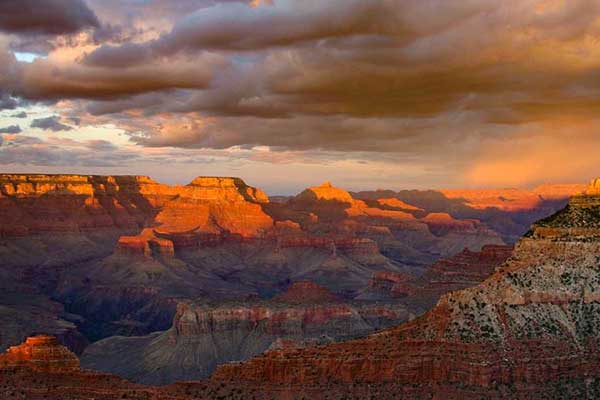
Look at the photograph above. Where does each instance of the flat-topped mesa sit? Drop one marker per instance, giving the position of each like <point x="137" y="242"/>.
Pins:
<point x="212" y="205"/>
<point x="146" y="245"/>
<point x="88" y="185"/>
<point x="325" y="192"/>
<point x="225" y="189"/>
<point x="41" y="353"/>
<point x="442" y="223"/>
<point x="31" y="204"/>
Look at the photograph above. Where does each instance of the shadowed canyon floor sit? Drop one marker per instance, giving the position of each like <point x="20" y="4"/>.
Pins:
<point x="183" y="279"/>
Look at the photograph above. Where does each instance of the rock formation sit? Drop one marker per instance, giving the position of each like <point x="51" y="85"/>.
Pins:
<point x="528" y="331"/>
<point x="40" y="368"/>
<point x="90" y="257"/>
<point x="508" y="212"/>
<point x="42" y="353"/>
<point x="205" y="335"/>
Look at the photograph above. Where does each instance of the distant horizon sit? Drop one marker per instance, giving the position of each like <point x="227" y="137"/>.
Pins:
<point x="300" y="189"/>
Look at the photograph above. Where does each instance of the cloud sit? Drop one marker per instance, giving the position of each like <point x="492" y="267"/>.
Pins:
<point x="431" y="82"/>
<point x="11" y="129"/>
<point x="50" y="124"/>
<point x="31" y="151"/>
<point x="46" y="17"/>
<point x="21" y="114"/>
<point x="7" y="102"/>
<point x="43" y="80"/>
<point x="101" y="145"/>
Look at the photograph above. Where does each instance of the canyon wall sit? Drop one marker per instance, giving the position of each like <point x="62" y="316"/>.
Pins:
<point x="529" y="331"/>
<point x="204" y="336"/>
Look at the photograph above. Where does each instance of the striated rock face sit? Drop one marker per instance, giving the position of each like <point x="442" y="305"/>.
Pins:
<point x="43" y="353"/>
<point x="204" y="336"/>
<point x="529" y="331"/>
<point x="58" y="203"/>
<point x="465" y="269"/>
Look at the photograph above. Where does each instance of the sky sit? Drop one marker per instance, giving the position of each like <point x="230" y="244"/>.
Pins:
<point x="289" y="93"/>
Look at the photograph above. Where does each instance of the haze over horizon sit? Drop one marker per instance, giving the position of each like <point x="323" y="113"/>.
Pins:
<point x="287" y="94"/>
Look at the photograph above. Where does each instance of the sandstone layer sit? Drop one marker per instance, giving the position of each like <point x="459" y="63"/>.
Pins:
<point x="90" y="257"/>
<point x="204" y="336"/>
<point x="529" y="331"/>
<point x="42" y="353"/>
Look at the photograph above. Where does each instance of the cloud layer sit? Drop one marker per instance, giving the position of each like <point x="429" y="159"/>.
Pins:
<point x="46" y="17"/>
<point x="434" y="83"/>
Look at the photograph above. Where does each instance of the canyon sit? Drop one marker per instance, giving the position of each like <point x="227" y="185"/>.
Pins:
<point x="530" y="330"/>
<point x="187" y="279"/>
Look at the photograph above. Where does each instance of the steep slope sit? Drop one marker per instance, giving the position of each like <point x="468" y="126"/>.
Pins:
<point x="529" y="331"/>
<point x="116" y="255"/>
<point x="206" y="335"/>
<point x="104" y="246"/>
<point x="463" y="270"/>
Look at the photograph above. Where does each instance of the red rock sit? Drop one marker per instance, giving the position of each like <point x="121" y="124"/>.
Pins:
<point x="466" y="269"/>
<point x="134" y="245"/>
<point x="530" y="330"/>
<point x="397" y="203"/>
<point x="306" y="292"/>
<point x="72" y="203"/>
<point x="43" y="353"/>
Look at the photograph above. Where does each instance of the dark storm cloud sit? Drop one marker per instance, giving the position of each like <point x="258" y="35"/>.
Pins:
<point x="7" y="102"/>
<point x="11" y="129"/>
<point x="373" y="59"/>
<point x="41" y="80"/>
<point x="46" y="17"/>
<point x="50" y="124"/>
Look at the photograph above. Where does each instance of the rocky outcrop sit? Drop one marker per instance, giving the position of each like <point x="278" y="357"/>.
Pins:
<point x="204" y="336"/>
<point x="41" y="368"/>
<point x="59" y="203"/>
<point x="465" y="269"/>
<point x="42" y="353"/>
<point x="528" y="331"/>
<point x="325" y="192"/>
